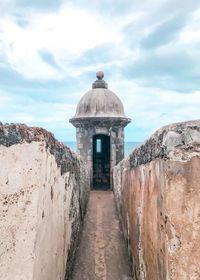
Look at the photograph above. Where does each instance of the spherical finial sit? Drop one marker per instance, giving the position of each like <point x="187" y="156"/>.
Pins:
<point x="100" y="75"/>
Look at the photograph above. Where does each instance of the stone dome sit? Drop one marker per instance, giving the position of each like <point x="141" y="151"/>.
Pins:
<point x="100" y="102"/>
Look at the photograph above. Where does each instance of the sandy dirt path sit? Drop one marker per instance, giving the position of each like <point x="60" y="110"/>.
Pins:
<point x="102" y="254"/>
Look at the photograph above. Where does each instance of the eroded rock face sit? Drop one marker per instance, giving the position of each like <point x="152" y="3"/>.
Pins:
<point x="44" y="190"/>
<point x="157" y="192"/>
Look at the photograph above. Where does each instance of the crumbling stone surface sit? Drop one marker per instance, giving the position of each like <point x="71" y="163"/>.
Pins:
<point x="178" y="140"/>
<point x="44" y="190"/>
<point x="11" y="134"/>
<point x="157" y="193"/>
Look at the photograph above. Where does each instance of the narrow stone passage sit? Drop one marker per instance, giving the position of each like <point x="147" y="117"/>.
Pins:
<point x="102" y="254"/>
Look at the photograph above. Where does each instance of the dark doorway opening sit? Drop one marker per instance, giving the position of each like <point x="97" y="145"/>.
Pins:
<point x="101" y="162"/>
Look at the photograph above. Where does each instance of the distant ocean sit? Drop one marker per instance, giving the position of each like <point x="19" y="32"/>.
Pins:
<point x="129" y="146"/>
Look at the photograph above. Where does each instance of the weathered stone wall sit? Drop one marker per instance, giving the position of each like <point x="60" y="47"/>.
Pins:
<point x="44" y="190"/>
<point x="157" y="193"/>
<point x="86" y="128"/>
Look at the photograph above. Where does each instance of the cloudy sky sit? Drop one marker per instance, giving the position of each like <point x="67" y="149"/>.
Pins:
<point x="50" y="51"/>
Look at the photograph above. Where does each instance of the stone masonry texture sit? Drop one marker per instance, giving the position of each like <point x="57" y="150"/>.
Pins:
<point x="157" y="193"/>
<point x="102" y="253"/>
<point x="44" y="190"/>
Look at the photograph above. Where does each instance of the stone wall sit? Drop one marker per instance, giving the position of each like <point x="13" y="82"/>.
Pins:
<point x="87" y="128"/>
<point x="157" y="193"/>
<point x="44" y="189"/>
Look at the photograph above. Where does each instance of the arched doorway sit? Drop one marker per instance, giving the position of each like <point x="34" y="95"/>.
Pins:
<point x="101" y="162"/>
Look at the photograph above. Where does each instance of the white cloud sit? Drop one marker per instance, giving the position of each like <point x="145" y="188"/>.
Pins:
<point x="68" y="34"/>
<point x="151" y="108"/>
<point x="191" y="33"/>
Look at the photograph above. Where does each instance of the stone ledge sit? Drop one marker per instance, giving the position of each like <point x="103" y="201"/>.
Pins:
<point x="12" y="134"/>
<point x="177" y="141"/>
<point x="45" y="205"/>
